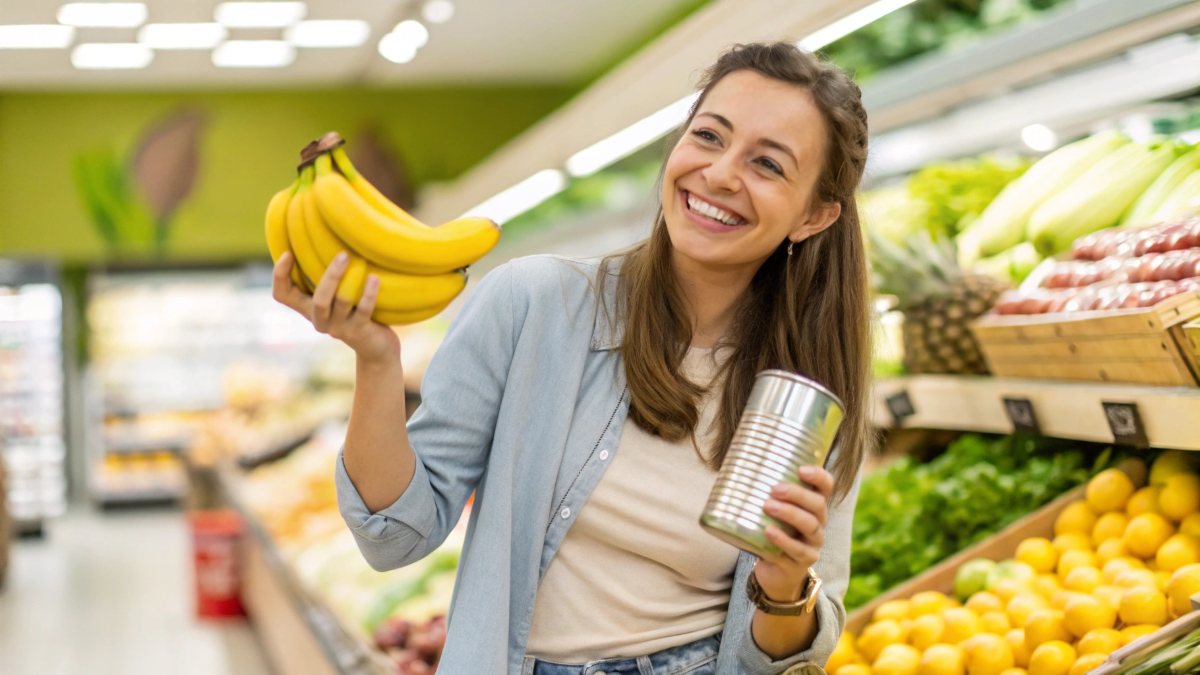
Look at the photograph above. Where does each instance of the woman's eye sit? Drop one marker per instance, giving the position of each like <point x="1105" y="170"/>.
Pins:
<point x="771" y="165"/>
<point x="706" y="135"/>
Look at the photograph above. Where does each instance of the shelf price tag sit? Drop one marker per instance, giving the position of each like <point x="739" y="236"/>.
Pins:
<point x="901" y="407"/>
<point x="1126" y="424"/>
<point x="1021" y="415"/>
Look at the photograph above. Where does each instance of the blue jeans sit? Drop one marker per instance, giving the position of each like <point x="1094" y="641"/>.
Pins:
<point x="694" y="658"/>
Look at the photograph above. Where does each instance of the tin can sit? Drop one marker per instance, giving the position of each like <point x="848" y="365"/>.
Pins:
<point x="789" y="421"/>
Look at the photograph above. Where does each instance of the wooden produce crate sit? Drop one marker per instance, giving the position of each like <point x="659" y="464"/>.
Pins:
<point x="998" y="547"/>
<point x="1191" y="330"/>
<point x="1137" y="346"/>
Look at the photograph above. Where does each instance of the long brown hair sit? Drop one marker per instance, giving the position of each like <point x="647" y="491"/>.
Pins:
<point x="807" y="313"/>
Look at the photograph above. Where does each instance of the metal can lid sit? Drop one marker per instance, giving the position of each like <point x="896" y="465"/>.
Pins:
<point x="797" y="377"/>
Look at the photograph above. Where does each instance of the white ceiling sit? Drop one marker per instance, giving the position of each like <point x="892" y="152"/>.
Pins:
<point x="487" y="41"/>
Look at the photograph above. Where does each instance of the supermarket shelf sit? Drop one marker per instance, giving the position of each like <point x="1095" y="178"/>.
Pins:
<point x="147" y="497"/>
<point x="1074" y="410"/>
<point x="294" y="618"/>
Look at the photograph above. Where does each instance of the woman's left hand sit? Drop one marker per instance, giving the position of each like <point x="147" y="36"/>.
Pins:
<point x="783" y="576"/>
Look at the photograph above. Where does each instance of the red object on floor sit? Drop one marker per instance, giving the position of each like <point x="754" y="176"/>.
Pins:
<point x="216" y="538"/>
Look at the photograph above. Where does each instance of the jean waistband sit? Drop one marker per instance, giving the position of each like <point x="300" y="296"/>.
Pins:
<point x="665" y="662"/>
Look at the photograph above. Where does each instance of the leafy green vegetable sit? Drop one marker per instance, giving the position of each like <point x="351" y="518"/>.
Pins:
<point x="912" y="515"/>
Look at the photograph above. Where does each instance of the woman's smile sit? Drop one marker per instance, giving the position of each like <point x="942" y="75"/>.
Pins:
<point x="709" y="216"/>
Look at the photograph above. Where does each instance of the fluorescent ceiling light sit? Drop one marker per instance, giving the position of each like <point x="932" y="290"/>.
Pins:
<point x="347" y="33"/>
<point x="103" y="14"/>
<point x="111" y="56"/>
<point x="630" y="139"/>
<point x="1039" y="137"/>
<point x="850" y="23"/>
<point x="254" y="54"/>
<point x="401" y="45"/>
<point x="182" y="35"/>
<point x="260" y="14"/>
<point x="521" y="197"/>
<point x="438" y="11"/>
<point x="36" y="36"/>
<point x="395" y="50"/>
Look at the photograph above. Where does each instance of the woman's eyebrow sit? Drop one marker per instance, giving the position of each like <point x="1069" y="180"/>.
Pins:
<point x="770" y="143"/>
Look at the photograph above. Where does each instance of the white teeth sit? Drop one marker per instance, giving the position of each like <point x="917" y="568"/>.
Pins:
<point x="704" y="208"/>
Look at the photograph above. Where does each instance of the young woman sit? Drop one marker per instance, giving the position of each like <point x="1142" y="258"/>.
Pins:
<point x="588" y="405"/>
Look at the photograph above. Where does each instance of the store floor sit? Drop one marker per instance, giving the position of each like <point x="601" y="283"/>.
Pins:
<point x="110" y="593"/>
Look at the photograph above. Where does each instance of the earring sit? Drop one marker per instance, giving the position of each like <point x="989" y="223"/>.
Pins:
<point x="791" y="244"/>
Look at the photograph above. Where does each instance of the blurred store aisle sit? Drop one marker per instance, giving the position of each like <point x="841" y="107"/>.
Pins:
<point x="111" y="594"/>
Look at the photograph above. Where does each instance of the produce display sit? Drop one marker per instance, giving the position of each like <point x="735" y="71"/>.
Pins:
<point x="331" y="208"/>
<point x="938" y="300"/>
<point x="911" y="515"/>
<point x="1116" y="269"/>
<point x="1123" y="561"/>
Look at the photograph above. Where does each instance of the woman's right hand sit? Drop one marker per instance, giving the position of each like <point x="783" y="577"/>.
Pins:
<point x="352" y="324"/>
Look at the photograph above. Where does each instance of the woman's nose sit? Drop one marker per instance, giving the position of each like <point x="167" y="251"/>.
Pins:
<point x="722" y="174"/>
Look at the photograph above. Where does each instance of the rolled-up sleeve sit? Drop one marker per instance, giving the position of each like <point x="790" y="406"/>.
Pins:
<point x="450" y="433"/>
<point x="834" y="570"/>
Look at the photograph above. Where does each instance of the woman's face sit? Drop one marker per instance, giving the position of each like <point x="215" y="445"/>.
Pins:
<point x="741" y="180"/>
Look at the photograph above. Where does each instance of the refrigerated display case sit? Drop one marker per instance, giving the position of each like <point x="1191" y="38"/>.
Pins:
<point x="32" y="376"/>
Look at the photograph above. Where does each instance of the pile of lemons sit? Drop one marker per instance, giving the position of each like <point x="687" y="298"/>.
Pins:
<point x="1123" y="562"/>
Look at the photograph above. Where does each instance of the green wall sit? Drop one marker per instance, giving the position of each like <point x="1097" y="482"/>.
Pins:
<point x="249" y="150"/>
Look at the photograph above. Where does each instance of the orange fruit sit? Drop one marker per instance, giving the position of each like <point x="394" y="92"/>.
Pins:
<point x="1143" y="605"/>
<point x="1078" y="518"/>
<point x="1052" y="658"/>
<point x="1146" y="532"/>
<point x="1109" y="490"/>
<point x="1100" y="641"/>
<point x="1085" y="614"/>
<point x="1038" y="553"/>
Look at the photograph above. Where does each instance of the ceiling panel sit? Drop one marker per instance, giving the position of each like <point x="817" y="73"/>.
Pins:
<point x="487" y="41"/>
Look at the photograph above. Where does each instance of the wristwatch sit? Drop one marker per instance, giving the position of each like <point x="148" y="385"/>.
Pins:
<point x="805" y="605"/>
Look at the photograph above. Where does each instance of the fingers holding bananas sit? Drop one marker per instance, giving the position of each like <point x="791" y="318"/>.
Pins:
<point x="359" y="254"/>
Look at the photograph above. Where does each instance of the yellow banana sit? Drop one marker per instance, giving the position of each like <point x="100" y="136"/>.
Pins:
<point x="326" y="246"/>
<point x="310" y="264"/>
<point x="391" y="317"/>
<point x="397" y="291"/>
<point x="276" y="226"/>
<point x="368" y="192"/>
<point x="401" y="246"/>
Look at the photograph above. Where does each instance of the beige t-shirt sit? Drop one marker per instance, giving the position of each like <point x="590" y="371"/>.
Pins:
<point x="636" y="574"/>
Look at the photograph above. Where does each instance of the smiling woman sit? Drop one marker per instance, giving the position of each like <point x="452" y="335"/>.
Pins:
<point x="591" y="451"/>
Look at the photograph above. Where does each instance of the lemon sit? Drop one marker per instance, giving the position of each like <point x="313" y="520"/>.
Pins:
<point x="1070" y="540"/>
<point x="1045" y="585"/>
<point x="1052" y="658"/>
<point x="1110" y="595"/>
<point x="1016" y="641"/>
<point x="1015" y="671"/>
<point x="1144" y="500"/>
<point x="1085" y="663"/>
<point x="1184" y="583"/>
<point x="926" y="631"/>
<point x="995" y="622"/>
<point x="1146" y="532"/>
<point x="1132" y="633"/>
<point x="1100" y="641"/>
<point x="1180" y="496"/>
<point x="1085" y="614"/>
<point x="943" y="659"/>
<point x="1109" y="490"/>
<point x="1113" y="568"/>
<point x="1135" y="578"/>
<point x="1073" y="558"/>
<point x="1077" y="518"/>
<point x="1045" y="625"/>
<point x="852" y="669"/>
<point x="898" y="659"/>
<point x="961" y="623"/>
<point x="1143" y="605"/>
<point x="1171" y="463"/>
<point x="1007" y="589"/>
<point x="1112" y="548"/>
<point x="989" y="655"/>
<point x="1190" y="525"/>
<point x="1083" y="579"/>
<point x="1038" y="553"/>
<point x="984" y="602"/>
<point x="1022" y="606"/>
<point x="928" y="602"/>
<point x="844" y="653"/>
<point x="1110" y="525"/>
<point x="892" y="609"/>
<point x="1060" y="599"/>
<point x="879" y="635"/>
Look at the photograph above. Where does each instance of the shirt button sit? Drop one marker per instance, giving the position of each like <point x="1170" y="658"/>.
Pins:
<point x="566" y="512"/>
<point x="603" y="456"/>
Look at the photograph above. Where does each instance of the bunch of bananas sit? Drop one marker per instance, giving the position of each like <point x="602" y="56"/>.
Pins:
<point x="332" y="208"/>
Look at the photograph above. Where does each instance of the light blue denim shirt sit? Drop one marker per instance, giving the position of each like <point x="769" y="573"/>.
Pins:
<point x="518" y="405"/>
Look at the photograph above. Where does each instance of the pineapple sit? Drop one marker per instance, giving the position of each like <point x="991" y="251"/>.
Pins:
<point x="938" y="300"/>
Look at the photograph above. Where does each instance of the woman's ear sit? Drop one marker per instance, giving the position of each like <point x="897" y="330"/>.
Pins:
<point x="820" y="217"/>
